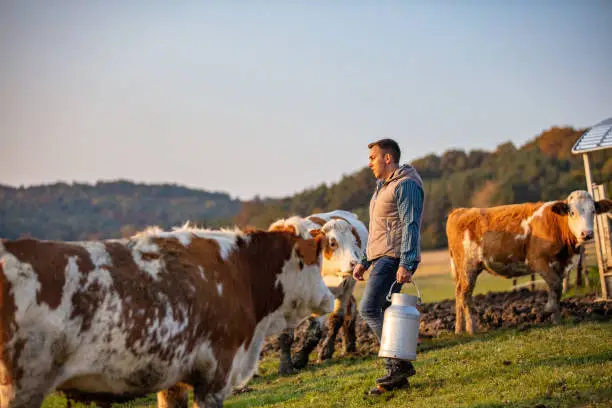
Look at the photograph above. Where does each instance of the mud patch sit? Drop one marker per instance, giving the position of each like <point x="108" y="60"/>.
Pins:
<point x="520" y="309"/>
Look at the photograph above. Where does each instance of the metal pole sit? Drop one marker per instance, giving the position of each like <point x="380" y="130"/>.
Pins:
<point x="587" y="173"/>
<point x="598" y="245"/>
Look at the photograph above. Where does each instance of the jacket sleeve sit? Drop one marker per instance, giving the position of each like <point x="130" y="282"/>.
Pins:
<point x="409" y="196"/>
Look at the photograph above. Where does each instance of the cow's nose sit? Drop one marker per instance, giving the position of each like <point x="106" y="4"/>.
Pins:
<point x="353" y="264"/>
<point x="587" y="235"/>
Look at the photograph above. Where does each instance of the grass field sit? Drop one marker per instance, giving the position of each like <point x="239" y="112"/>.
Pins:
<point x="564" y="366"/>
<point x="551" y="366"/>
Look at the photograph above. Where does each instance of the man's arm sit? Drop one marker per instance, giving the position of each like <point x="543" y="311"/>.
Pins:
<point x="409" y="196"/>
<point x="364" y="260"/>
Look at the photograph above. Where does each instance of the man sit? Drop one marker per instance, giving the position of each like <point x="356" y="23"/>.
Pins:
<point x="393" y="250"/>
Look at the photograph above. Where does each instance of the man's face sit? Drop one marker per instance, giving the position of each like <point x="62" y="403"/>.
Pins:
<point x="377" y="162"/>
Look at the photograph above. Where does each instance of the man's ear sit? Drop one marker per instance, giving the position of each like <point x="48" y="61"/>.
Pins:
<point x="387" y="158"/>
<point x="603" y="206"/>
<point x="560" y="207"/>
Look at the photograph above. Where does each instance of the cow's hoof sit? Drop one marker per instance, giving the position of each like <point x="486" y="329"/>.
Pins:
<point x="286" y="370"/>
<point x="325" y="354"/>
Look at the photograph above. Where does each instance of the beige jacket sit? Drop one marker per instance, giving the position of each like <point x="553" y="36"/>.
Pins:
<point x="385" y="231"/>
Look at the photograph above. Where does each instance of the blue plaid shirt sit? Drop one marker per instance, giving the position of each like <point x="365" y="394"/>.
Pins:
<point x="409" y="196"/>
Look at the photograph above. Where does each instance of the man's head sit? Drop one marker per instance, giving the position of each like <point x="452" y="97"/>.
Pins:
<point x="384" y="157"/>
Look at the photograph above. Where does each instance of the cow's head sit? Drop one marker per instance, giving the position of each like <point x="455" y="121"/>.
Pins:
<point x="580" y="210"/>
<point x="304" y="290"/>
<point x="341" y="253"/>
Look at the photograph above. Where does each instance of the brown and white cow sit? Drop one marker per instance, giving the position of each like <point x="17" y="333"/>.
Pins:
<point x="116" y="319"/>
<point x="346" y="239"/>
<point x="516" y="240"/>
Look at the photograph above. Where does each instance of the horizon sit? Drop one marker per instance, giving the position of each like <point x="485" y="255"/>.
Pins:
<point x="253" y="100"/>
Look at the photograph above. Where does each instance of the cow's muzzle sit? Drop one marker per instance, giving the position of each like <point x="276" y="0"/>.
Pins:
<point x="586" y="235"/>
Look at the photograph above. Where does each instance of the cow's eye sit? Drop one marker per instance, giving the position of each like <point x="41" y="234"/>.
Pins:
<point x="573" y="213"/>
<point x="333" y="244"/>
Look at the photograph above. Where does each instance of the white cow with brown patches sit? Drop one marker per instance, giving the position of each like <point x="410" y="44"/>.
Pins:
<point x="113" y="320"/>
<point x="517" y="240"/>
<point x="346" y="239"/>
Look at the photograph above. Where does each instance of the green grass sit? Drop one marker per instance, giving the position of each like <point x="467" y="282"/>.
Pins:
<point x="568" y="365"/>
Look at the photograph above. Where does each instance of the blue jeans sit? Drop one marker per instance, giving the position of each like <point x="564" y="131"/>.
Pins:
<point x="373" y="303"/>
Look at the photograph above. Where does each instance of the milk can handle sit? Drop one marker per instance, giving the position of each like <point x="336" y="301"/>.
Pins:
<point x="413" y="284"/>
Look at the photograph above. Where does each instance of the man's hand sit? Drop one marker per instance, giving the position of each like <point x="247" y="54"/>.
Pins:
<point x="358" y="272"/>
<point x="403" y="275"/>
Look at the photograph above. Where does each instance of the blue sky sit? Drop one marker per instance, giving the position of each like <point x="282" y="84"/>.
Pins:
<point x="271" y="97"/>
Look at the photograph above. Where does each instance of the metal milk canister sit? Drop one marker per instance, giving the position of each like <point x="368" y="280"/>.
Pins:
<point x="401" y="323"/>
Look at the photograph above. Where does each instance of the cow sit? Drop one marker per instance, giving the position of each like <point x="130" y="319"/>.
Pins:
<point x="517" y="240"/>
<point x="161" y="311"/>
<point x="347" y="237"/>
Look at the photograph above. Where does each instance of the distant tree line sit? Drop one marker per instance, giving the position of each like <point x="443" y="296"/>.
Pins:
<point x="542" y="169"/>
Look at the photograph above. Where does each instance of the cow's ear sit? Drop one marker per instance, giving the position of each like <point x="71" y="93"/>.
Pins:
<point x="322" y="242"/>
<point x="315" y="232"/>
<point x="560" y="208"/>
<point x="307" y="250"/>
<point x="603" y="206"/>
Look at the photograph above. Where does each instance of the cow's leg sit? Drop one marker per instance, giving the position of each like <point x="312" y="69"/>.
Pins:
<point x="349" y="335"/>
<point x="205" y="397"/>
<point x="553" y="279"/>
<point x="334" y="323"/>
<point x="581" y="271"/>
<point x="313" y="336"/>
<point x="285" y="340"/>
<point x="19" y="397"/>
<point x="566" y="279"/>
<point x="333" y="326"/>
<point x="459" y="309"/>
<point x="553" y="305"/>
<point x="174" y="397"/>
<point x="27" y="369"/>
<point x="472" y="275"/>
<point x="208" y="401"/>
<point x="460" y="271"/>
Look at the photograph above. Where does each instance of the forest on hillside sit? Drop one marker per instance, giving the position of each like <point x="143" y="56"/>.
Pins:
<point x="106" y="209"/>
<point x="542" y="169"/>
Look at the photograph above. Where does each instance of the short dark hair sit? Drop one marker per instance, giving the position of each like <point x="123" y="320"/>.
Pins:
<point x="388" y="146"/>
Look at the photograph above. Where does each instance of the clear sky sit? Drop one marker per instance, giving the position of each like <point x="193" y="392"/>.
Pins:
<point x="271" y="97"/>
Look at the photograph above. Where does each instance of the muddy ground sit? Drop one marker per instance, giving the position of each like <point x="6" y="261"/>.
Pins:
<point x="520" y="309"/>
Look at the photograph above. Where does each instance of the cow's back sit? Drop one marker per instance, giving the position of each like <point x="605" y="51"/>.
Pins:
<point x="136" y="303"/>
<point x="497" y="238"/>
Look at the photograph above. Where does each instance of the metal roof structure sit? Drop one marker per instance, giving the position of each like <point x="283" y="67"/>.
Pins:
<point x="598" y="137"/>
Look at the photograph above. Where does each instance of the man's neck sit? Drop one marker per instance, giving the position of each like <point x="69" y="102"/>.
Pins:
<point x="390" y="172"/>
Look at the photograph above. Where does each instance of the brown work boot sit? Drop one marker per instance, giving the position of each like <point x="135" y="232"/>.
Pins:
<point x="396" y="384"/>
<point x="396" y="369"/>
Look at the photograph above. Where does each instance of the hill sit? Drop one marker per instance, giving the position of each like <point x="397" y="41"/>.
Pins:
<point x="106" y="209"/>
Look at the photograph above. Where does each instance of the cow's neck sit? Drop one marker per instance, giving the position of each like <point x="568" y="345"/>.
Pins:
<point x="263" y="268"/>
